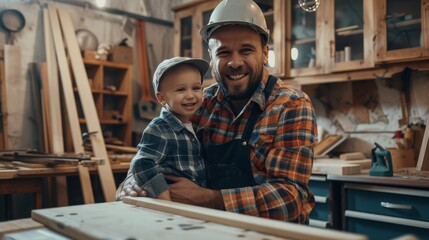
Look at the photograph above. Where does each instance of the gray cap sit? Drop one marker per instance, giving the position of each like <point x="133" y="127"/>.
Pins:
<point x="201" y="64"/>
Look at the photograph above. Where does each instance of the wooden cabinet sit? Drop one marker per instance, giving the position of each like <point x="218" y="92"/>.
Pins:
<point x="111" y="88"/>
<point x="337" y="37"/>
<point x="402" y="30"/>
<point x="190" y="17"/>
<point x="342" y="40"/>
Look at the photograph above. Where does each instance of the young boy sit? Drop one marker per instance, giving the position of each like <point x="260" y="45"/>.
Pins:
<point x="168" y="145"/>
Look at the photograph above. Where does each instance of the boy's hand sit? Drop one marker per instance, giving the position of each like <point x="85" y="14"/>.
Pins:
<point x="129" y="187"/>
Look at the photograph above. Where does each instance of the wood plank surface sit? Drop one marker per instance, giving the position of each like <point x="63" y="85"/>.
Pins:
<point x="319" y="167"/>
<point x="116" y="220"/>
<point x="423" y="160"/>
<point x="71" y="108"/>
<point x="54" y="109"/>
<point x="3" y="108"/>
<point x="18" y="225"/>
<point x="89" y="109"/>
<point x="262" y="225"/>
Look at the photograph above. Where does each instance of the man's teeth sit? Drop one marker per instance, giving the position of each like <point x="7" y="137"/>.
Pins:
<point x="235" y="77"/>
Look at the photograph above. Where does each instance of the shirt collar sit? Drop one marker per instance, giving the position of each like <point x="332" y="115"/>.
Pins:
<point x="171" y="120"/>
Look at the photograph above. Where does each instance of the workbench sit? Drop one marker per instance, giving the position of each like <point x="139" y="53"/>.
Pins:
<point x="146" y="218"/>
<point x="32" y="180"/>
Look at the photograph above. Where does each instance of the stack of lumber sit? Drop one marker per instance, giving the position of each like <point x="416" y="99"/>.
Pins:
<point x="348" y="164"/>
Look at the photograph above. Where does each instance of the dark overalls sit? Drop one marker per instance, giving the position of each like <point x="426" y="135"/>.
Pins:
<point x="228" y="165"/>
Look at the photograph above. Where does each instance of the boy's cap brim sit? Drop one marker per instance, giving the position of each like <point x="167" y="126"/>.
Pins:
<point x="201" y="64"/>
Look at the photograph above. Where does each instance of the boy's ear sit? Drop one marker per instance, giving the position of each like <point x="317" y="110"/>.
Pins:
<point x="160" y="98"/>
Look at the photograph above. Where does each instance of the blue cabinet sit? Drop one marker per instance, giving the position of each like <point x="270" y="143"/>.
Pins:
<point x="385" y="212"/>
<point x="326" y="211"/>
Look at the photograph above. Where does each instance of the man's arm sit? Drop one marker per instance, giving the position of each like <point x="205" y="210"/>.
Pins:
<point x="184" y="190"/>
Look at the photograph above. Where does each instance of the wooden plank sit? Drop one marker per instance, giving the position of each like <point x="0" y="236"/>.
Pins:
<point x="45" y="107"/>
<point x="73" y="118"/>
<point x="364" y="163"/>
<point x="124" y="149"/>
<point x="328" y="143"/>
<point x="320" y="167"/>
<point x="54" y="110"/>
<point x="90" y="112"/>
<point x="18" y="225"/>
<point x="3" y="109"/>
<point x="262" y="225"/>
<point x="36" y="98"/>
<point x="423" y="160"/>
<point x="8" y="173"/>
<point x="116" y="220"/>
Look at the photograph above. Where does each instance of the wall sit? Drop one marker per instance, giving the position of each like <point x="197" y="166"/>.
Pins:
<point x="368" y="111"/>
<point x="106" y="26"/>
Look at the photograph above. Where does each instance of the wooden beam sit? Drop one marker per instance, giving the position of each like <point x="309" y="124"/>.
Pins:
<point x="3" y="108"/>
<point x="54" y="109"/>
<point x="70" y="102"/>
<point x="423" y="161"/>
<point x="89" y="109"/>
<point x="258" y="224"/>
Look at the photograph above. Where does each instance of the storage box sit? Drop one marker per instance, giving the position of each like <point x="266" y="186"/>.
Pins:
<point x="402" y="158"/>
<point x="121" y="54"/>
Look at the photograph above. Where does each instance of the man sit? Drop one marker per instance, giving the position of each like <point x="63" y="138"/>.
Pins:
<point x="257" y="132"/>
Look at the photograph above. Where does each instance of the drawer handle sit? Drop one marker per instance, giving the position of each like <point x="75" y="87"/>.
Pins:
<point x="395" y="206"/>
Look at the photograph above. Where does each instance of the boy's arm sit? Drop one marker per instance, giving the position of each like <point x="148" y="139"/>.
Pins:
<point x="146" y="164"/>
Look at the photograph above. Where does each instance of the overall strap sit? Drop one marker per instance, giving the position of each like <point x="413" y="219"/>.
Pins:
<point x="256" y="112"/>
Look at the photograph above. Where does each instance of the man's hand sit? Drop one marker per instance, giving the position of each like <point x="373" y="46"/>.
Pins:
<point x="129" y="187"/>
<point x="184" y="190"/>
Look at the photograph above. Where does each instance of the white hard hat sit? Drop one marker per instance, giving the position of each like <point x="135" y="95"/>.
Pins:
<point x="240" y="12"/>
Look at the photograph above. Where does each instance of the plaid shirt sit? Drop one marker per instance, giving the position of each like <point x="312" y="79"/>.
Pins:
<point x="167" y="147"/>
<point x="281" y="149"/>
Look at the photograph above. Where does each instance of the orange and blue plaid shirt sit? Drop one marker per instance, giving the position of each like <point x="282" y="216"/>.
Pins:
<point x="281" y="149"/>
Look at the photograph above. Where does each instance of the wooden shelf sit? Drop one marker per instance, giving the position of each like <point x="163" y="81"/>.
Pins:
<point x="405" y="23"/>
<point x="350" y="32"/>
<point x="304" y="41"/>
<point x="110" y="105"/>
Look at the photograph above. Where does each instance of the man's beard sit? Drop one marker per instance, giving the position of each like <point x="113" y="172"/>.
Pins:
<point x="250" y="88"/>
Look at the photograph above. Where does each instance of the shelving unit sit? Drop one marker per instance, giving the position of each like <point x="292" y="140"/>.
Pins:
<point x="111" y="86"/>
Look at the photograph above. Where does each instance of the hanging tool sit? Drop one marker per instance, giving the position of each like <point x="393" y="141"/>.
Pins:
<point x="381" y="162"/>
<point x="86" y="136"/>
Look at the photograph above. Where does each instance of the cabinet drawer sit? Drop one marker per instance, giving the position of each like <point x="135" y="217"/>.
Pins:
<point x="320" y="212"/>
<point x="389" y="201"/>
<point x="382" y="227"/>
<point x="319" y="187"/>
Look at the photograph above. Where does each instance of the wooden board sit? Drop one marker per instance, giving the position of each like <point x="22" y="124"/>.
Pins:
<point x="73" y="118"/>
<point x="3" y="127"/>
<point x="54" y="109"/>
<point x="364" y="163"/>
<point x="18" y="225"/>
<point x="328" y="143"/>
<point x="45" y="106"/>
<point x="320" y="167"/>
<point x="8" y="173"/>
<point x="116" y="220"/>
<point x="89" y="109"/>
<point x="423" y="160"/>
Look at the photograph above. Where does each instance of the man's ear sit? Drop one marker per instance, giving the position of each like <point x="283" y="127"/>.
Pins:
<point x="160" y="98"/>
<point x="265" y="50"/>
